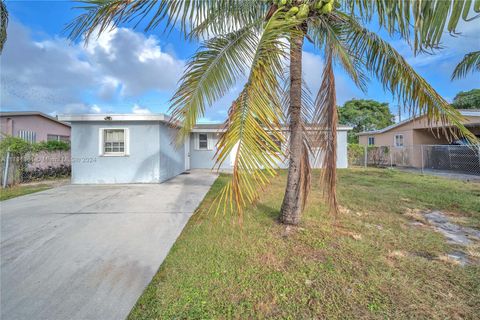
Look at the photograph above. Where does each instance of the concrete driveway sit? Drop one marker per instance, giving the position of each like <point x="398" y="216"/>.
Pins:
<point x="87" y="252"/>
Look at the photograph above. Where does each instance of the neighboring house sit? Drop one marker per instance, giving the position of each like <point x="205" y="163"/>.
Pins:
<point x="417" y="143"/>
<point x="417" y="131"/>
<point x="140" y="148"/>
<point x="33" y="126"/>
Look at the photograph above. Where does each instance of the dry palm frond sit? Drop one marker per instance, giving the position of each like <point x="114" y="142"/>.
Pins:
<point x="470" y="62"/>
<point x="326" y="131"/>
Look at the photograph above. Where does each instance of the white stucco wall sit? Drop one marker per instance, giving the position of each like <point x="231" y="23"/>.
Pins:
<point x="204" y="159"/>
<point x="152" y="157"/>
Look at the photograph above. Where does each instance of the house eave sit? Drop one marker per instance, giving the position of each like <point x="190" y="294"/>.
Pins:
<point x="222" y="129"/>
<point x="114" y="117"/>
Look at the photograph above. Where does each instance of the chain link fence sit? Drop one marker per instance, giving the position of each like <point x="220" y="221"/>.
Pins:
<point x="463" y="159"/>
<point x="34" y="166"/>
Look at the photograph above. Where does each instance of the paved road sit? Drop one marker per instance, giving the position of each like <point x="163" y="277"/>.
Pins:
<point x="87" y="252"/>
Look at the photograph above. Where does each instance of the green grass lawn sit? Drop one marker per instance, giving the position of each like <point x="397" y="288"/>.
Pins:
<point x="17" y="191"/>
<point x="371" y="263"/>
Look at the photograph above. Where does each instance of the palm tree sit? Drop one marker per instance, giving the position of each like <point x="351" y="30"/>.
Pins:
<point x="258" y="40"/>
<point x="4" y="24"/>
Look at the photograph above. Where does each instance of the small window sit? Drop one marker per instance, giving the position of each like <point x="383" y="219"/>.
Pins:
<point x="202" y="141"/>
<point x="399" y="140"/>
<point x="371" y="141"/>
<point x="54" y="137"/>
<point x="64" y="139"/>
<point x="114" y="141"/>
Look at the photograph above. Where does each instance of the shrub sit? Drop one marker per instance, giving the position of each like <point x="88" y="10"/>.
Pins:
<point x="356" y="153"/>
<point x="19" y="147"/>
<point x="16" y="146"/>
<point x="52" y="145"/>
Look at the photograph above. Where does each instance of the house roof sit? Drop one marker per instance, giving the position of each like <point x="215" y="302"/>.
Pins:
<point x="32" y="113"/>
<point x="465" y="113"/>
<point x="201" y="127"/>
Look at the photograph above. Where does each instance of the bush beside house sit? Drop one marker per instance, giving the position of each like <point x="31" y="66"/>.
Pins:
<point x="33" y="161"/>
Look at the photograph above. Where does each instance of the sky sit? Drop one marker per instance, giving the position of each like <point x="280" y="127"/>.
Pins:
<point x="129" y="71"/>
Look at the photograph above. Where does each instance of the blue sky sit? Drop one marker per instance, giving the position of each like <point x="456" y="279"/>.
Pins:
<point x="127" y="70"/>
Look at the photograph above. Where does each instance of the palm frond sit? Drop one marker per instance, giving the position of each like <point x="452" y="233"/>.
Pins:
<point x="397" y="76"/>
<point x="426" y="19"/>
<point x="325" y="131"/>
<point x="211" y="72"/>
<point x="4" y="24"/>
<point x="218" y="22"/>
<point x="254" y="122"/>
<point x="101" y="15"/>
<point x="469" y="63"/>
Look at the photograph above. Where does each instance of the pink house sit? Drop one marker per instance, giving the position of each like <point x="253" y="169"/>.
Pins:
<point x="33" y="126"/>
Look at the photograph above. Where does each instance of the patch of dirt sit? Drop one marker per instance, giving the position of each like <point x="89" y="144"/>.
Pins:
<point x="416" y="215"/>
<point x="351" y="234"/>
<point x="346" y="211"/>
<point x="397" y="254"/>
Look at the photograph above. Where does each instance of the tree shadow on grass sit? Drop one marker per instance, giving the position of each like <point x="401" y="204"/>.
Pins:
<point x="272" y="213"/>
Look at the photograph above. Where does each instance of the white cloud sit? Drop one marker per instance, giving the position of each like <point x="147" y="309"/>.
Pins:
<point x="55" y="75"/>
<point x="140" y="110"/>
<point x="135" y="61"/>
<point x="95" y="109"/>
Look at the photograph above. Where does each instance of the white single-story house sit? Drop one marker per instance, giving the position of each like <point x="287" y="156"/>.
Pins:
<point x="141" y="148"/>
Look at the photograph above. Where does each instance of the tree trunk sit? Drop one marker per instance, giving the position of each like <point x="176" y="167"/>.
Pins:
<point x="292" y="201"/>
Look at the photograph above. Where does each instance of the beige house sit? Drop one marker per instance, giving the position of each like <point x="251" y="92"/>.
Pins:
<point x="417" y="143"/>
<point x="417" y="131"/>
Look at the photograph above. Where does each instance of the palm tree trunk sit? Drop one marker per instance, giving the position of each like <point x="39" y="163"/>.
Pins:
<point x="292" y="201"/>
